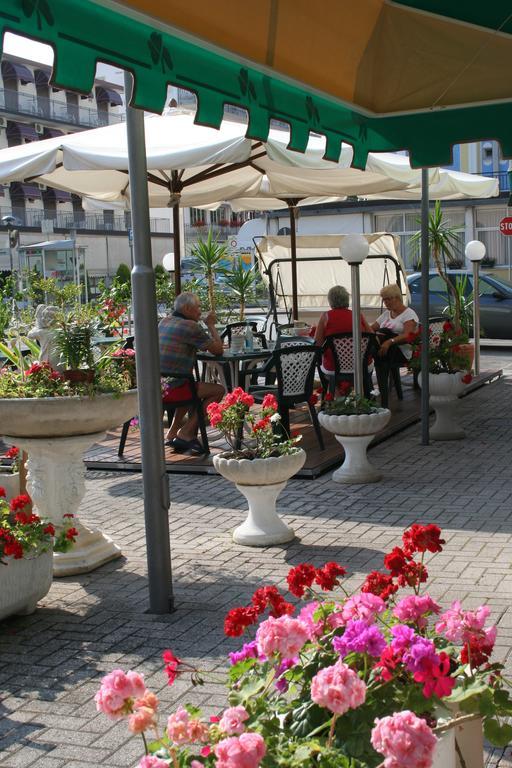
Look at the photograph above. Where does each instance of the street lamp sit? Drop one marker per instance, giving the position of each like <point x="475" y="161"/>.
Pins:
<point x="475" y="252"/>
<point x="354" y="249"/>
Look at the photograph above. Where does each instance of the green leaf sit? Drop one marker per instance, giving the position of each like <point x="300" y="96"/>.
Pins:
<point x="499" y="735"/>
<point x="466" y="693"/>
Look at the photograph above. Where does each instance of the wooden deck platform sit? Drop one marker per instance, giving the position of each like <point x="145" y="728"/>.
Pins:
<point x="404" y="413"/>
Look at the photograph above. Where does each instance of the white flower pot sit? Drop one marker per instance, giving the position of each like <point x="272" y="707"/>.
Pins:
<point x="55" y="432"/>
<point x="444" y="391"/>
<point x="355" y="433"/>
<point x="24" y="582"/>
<point x="445" y="755"/>
<point x="10" y="481"/>
<point x="261" y="481"/>
<point x="65" y="416"/>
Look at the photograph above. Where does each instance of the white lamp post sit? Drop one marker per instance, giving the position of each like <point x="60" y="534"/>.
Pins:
<point x="354" y="249"/>
<point x="475" y="252"/>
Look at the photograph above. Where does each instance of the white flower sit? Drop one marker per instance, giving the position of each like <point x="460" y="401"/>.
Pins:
<point x="275" y="418"/>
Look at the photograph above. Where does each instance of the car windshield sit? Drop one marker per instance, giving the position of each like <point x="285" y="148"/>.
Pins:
<point x="501" y="285"/>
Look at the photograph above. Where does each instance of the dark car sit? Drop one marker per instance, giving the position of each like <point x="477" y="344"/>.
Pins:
<point x="495" y="300"/>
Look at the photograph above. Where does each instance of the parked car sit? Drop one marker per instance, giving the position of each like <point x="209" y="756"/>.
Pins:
<point x="495" y="300"/>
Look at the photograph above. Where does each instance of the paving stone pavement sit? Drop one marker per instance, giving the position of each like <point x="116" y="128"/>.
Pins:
<point x="51" y="662"/>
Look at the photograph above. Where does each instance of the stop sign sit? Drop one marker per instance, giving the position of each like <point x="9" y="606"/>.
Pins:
<point x="506" y="226"/>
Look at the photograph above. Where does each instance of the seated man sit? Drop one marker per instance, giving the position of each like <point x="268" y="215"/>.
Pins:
<point x="180" y="336"/>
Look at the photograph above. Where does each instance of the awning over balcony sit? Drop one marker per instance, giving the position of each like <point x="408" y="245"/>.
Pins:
<point x="106" y="94"/>
<point x="27" y="191"/>
<point x="57" y="195"/>
<point x="42" y="76"/>
<point x="21" y="132"/>
<point x="13" y="71"/>
<point x="52" y="133"/>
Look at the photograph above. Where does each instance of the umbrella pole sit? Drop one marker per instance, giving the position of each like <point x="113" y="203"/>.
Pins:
<point x="292" y="208"/>
<point x="176" y="235"/>
<point x="425" y="337"/>
<point x="154" y="478"/>
<point x="177" y="247"/>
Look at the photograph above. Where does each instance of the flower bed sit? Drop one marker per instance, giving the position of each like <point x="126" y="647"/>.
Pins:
<point x="348" y="680"/>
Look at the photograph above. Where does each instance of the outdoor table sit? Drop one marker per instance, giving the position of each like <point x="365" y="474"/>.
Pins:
<point x="235" y="360"/>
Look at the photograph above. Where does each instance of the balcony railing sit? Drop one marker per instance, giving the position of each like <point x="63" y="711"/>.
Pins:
<point x="95" y="222"/>
<point x="46" y="109"/>
<point x="220" y="231"/>
<point x="503" y="179"/>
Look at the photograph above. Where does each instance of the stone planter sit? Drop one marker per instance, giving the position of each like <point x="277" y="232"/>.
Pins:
<point x="261" y="481"/>
<point x="55" y="432"/>
<point x="10" y="481"/>
<point x="445" y="755"/>
<point x="23" y="583"/>
<point x="355" y="433"/>
<point x="444" y="391"/>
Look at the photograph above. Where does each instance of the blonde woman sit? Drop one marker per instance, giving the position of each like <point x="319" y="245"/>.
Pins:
<point x="393" y="327"/>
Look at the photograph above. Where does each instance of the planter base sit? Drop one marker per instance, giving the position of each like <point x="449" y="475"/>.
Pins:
<point x="263" y="527"/>
<point x="446" y="426"/>
<point x="356" y="468"/>
<point x="92" y="549"/>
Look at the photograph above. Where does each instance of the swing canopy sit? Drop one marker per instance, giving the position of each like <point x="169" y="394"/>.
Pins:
<point x="384" y="265"/>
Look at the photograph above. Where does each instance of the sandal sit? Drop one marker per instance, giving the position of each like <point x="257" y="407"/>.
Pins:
<point x="178" y="444"/>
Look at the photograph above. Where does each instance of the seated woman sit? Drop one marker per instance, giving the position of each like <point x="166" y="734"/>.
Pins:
<point x="393" y="327"/>
<point x="337" y="320"/>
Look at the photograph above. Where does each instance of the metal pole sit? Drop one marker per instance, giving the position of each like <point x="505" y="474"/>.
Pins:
<point x="476" y="315"/>
<point x="293" y="243"/>
<point x="177" y="247"/>
<point x="356" y="328"/>
<point x="425" y="312"/>
<point x="155" y="481"/>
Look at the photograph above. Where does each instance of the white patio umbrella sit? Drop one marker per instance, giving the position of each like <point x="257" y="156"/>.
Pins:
<point x="193" y="165"/>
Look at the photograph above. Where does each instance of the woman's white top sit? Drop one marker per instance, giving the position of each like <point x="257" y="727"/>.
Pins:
<point x="396" y="324"/>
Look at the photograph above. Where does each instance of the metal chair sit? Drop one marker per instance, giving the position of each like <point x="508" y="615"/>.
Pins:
<point x="189" y="397"/>
<point x="295" y="372"/>
<point x="435" y="326"/>
<point x="341" y="346"/>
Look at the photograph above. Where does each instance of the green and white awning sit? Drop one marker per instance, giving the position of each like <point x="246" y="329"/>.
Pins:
<point x="382" y="76"/>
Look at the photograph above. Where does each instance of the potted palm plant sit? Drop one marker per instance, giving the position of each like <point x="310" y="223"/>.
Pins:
<point x="444" y="245"/>
<point x="242" y="283"/>
<point x="210" y="254"/>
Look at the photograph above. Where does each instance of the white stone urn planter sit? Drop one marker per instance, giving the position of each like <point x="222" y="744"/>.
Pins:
<point x="24" y="582"/>
<point x="355" y="433"/>
<point x="465" y="740"/>
<point x="444" y="391"/>
<point x="55" y="432"/>
<point x="10" y="481"/>
<point x="261" y="481"/>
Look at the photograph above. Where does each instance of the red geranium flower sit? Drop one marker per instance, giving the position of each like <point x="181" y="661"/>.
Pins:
<point x="395" y="561"/>
<point x="300" y="578"/>
<point x="380" y="584"/>
<point x="12" y="453"/>
<point x="420" y="538"/>
<point x="19" y="502"/>
<point x="3" y="493"/>
<point x="467" y="378"/>
<point x="412" y="574"/>
<point x="329" y="396"/>
<point x="327" y="576"/>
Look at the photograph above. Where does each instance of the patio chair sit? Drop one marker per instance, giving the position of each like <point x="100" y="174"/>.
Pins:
<point x="435" y="325"/>
<point x="267" y="370"/>
<point x="295" y="371"/>
<point x="341" y="346"/>
<point x="184" y="395"/>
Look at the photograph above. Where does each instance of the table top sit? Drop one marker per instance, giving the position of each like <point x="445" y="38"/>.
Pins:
<point x="255" y="354"/>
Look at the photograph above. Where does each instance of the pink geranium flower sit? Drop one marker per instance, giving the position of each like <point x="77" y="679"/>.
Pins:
<point x="362" y="606"/>
<point x="245" y="751"/>
<point x="338" y="688"/>
<point x="233" y="719"/>
<point x="461" y="626"/>
<point x="414" y="609"/>
<point x="284" y="635"/>
<point x="405" y="740"/>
